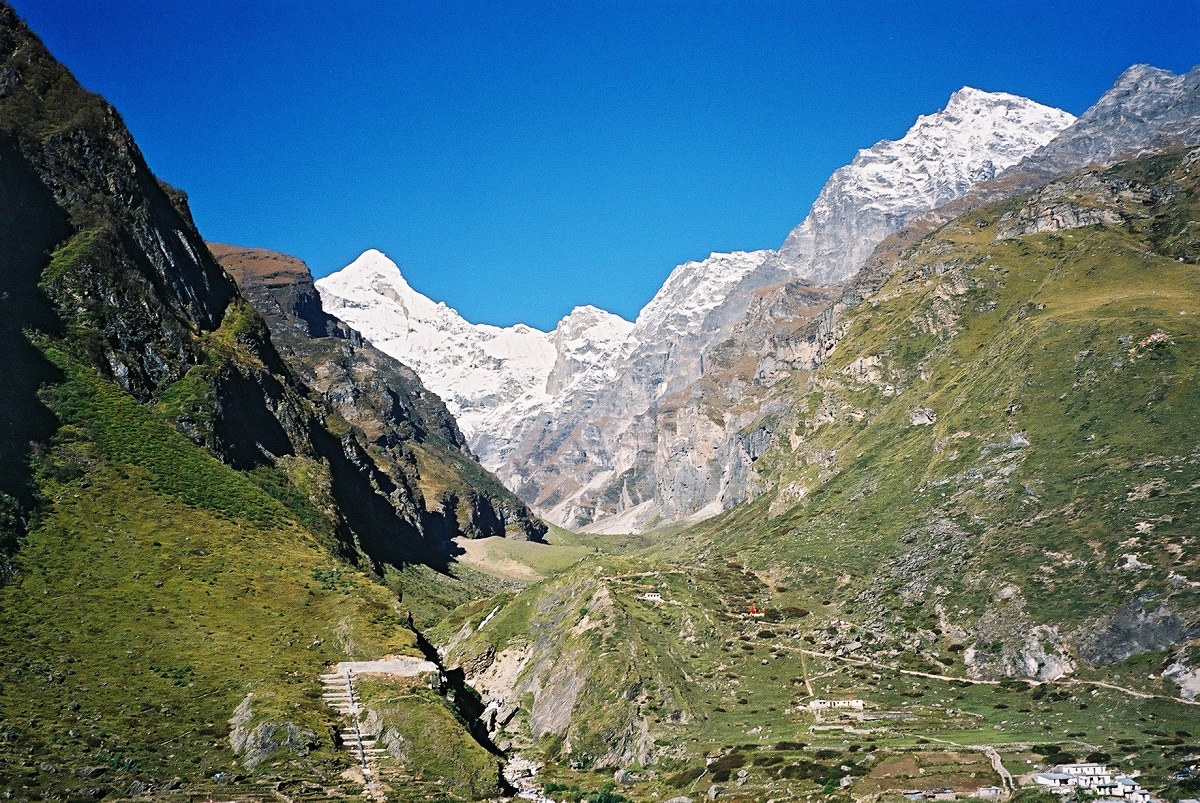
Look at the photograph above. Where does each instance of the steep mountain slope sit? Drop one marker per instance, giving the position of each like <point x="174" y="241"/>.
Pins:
<point x="181" y="538"/>
<point x="407" y="429"/>
<point x="600" y="434"/>
<point x="1003" y="407"/>
<point x="774" y="338"/>
<point x="1146" y="110"/>
<point x="975" y="519"/>
<point x="769" y="337"/>
<point x="142" y="297"/>
<point x="585" y="454"/>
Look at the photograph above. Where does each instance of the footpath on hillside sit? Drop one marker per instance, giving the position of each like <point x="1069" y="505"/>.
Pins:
<point x="341" y="695"/>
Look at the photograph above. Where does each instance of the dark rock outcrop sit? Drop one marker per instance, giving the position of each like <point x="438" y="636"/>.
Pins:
<point x="403" y="427"/>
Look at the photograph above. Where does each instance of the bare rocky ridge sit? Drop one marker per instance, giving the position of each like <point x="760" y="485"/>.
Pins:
<point x="1146" y="110"/>
<point x="943" y="155"/>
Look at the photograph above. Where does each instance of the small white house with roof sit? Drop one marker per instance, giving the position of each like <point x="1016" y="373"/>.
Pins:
<point x="824" y="705"/>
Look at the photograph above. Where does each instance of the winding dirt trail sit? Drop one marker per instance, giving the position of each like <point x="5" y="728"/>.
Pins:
<point x="934" y="676"/>
<point x="998" y="765"/>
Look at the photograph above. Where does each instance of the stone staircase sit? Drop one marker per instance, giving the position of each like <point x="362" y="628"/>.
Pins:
<point x="339" y="694"/>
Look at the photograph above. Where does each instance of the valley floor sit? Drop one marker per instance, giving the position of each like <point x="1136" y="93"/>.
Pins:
<point x="717" y="672"/>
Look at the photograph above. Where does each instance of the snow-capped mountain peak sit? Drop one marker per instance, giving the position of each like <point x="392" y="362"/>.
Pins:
<point x="694" y="288"/>
<point x="974" y="137"/>
<point x="570" y="419"/>
<point x="471" y="366"/>
<point x="594" y="324"/>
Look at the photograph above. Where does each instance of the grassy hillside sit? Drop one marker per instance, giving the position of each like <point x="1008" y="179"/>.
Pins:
<point x="978" y="522"/>
<point x="996" y="431"/>
<point x="160" y="590"/>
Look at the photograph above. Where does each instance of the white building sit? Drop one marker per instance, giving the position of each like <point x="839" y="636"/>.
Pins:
<point x="1085" y="770"/>
<point x="824" y="705"/>
<point x="1056" y="781"/>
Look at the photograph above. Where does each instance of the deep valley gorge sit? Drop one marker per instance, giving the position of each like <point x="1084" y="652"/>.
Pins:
<point x="904" y="508"/>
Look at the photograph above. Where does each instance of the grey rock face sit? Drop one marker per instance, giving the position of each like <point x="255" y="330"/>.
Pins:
<point x="1085" y="200"/>
<point x="667" y="423"/>
<point x="668" y="440"/>
<point x="256" y="745"/>
<point x="1133" y="630"/>
<point x="1146" y="110"/>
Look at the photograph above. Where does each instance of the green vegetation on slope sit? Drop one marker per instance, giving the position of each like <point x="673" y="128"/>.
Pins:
<point x="1052" y="479"/>
<point x="430" y="748"/>
<point x="159" y="590"/>
<point x="978" y="523"/>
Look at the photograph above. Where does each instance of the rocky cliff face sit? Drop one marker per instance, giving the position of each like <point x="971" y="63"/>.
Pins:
<point x="781" y="339"/>
<point x="1145" y="111"/>
<point x="89" y="165"/>
<point x="406" y="429"/>
<point x="71" y="173"/>
<point x="603" y="420"/>
<point x="118" y="277"/>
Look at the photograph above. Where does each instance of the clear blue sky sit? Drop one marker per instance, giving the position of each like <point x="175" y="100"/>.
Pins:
<point x="519" y="159"/>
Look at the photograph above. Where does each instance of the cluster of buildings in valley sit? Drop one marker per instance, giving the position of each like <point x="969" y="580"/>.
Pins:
<point x="1094" y="780"/>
